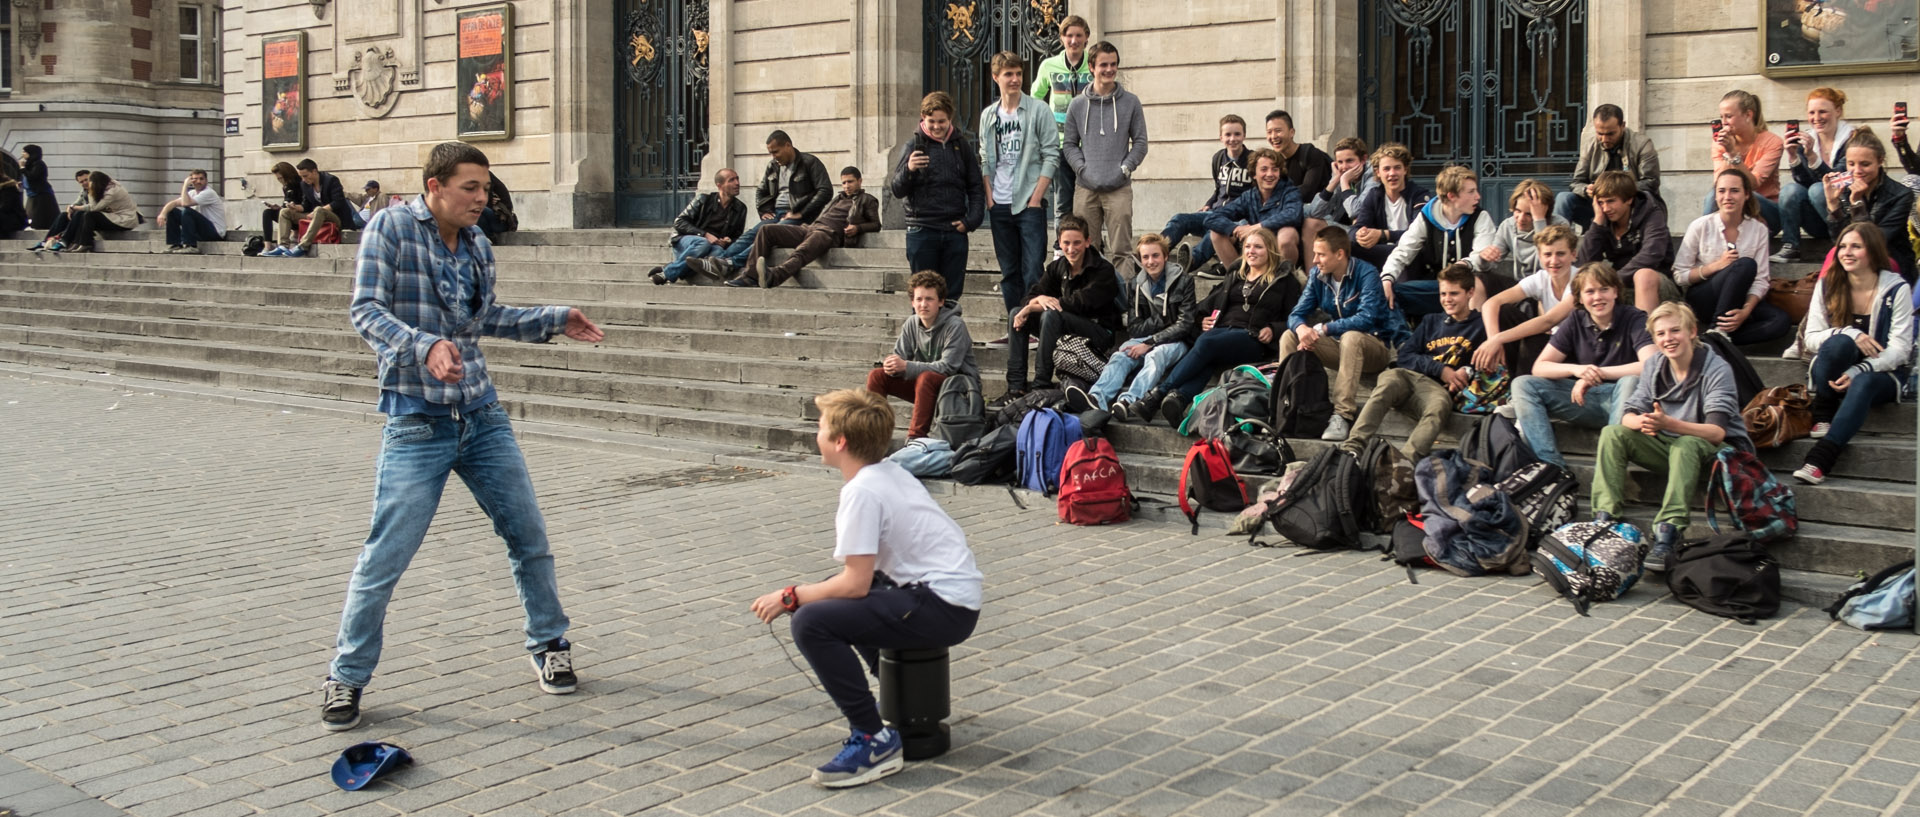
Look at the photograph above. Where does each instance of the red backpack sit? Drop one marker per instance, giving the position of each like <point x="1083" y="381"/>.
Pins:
<point x="1093" y="486"/>
<point x="1209" y="479"/>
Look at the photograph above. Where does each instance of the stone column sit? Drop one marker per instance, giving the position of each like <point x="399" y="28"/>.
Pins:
<point x="887" y="42"/>
<point x="582" y="192"/>
<point x="1616" y="64"/>
<point x="720" y="97"/>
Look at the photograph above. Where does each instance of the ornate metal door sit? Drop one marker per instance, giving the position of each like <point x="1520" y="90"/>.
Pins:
<point x="660" y="107"/>
<point x="963" y="36"/>
<point x="1497" y="85"/>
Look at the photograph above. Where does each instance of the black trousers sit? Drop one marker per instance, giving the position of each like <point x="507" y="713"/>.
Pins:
<point x="832" y="632"/>
<point x="1050" y="325"/>
<point x="1727" y="292"/>
<point x="80" y="230"/>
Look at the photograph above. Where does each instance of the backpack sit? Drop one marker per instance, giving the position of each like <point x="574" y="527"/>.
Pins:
<point x="1746" y="381"/>
<point x="1472" y="529"/>
<point x="1883" y="602"/>
<point x="1408" y="547"/>
<point x="1012" y="413"/>
<point x="1591" y="561"/>
<point x="1320" y="511"/>
<point x="988" y="458"/>
<point x="1545" y="495"/>
<point x="1240" y="398"/>
<point x="959" y="412"/>
<point x="1074" y="355"/>
<point x="1041" y="448"/>
<point x="925" y="457"/>
<point x="1494" y="441"/>
<point x="1756" y="503"/>
<point x="1390" y="495"/>
<point x="1485" y="392"/>
<point x="1728" y="575"/>
<point x="1093" y="486"/>
<point x="1255" y="449"/>
<point x="1208" y="479"/>
<point x="255" y="246"/>
<point x="1302" y="403"/>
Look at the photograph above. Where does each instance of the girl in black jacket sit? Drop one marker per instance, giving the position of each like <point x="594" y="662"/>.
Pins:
<point x="1864" y="192"/>
<point x="1243" y="319"/>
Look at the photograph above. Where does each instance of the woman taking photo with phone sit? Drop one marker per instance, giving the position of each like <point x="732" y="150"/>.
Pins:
<point x="1813" y="150"/>
<point x="1861" y="191"/>
<point x="1861" y="321"/>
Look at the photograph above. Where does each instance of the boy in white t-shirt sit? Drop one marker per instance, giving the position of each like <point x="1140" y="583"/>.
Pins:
<point x="909" y="581"/>
<point x="1551" y="286"/>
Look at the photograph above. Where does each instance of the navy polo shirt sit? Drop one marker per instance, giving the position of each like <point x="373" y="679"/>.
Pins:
<point x="1583" y="343"/>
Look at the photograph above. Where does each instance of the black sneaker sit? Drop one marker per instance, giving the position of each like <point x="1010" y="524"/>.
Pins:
<point x="1002" y="401"/>
<point x="1174" y="409"/>
<point x="1077" y="400"/>
<point x="741" y="281"/>
<point x="1121" y="410"/>
<point x="339" y="706"/>
<point x="555" y="666"/>
<point x="1149" y="406"/>
<point x="658" y="276"/>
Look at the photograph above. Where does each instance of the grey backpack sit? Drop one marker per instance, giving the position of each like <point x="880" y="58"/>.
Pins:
<point x="959" y="412"/>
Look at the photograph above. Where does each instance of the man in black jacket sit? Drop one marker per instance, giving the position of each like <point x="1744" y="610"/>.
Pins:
<point x="709" y="224"/>
<point x="324" y="201"/>
<point x="850" y="214"/>
<point x="938" y="178"/>
<point x="793" y="191"/>
<point x="1078" y="294"/>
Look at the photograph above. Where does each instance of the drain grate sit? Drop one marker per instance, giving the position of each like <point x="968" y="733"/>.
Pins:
<point x="697" y="475"/>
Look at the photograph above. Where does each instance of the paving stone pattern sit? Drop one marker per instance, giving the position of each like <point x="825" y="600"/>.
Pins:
<point x="175" y="571"/>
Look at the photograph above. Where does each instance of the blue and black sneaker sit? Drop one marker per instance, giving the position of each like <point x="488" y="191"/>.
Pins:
<point x="863" y="759"/>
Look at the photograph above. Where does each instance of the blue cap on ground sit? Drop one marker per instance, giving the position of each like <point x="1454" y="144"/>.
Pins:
<point x="362" y="763"/>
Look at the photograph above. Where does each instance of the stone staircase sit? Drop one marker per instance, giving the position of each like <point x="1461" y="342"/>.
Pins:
<point x="710" y="364"/>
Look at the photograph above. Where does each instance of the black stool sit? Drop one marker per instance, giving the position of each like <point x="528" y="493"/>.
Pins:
<point x="915" y="698"/>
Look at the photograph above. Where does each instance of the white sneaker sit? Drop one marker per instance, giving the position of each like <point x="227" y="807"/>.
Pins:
<point x="1337" y="429"/>
<point x="1793" y="352"/>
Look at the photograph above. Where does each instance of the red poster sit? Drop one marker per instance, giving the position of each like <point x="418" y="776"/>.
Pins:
<point x="480" y="35"/>
<point x="283" y="59"/>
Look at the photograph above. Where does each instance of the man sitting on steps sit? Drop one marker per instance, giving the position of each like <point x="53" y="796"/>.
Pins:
<point x="324" y="201"/>
<point x="793" y="191"/>
<point x="709" y="224"/>
<point x="850" y="214"/>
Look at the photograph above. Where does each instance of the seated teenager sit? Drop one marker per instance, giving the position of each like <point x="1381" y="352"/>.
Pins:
<point x="65" y="216"/>
<point x="1271" y="205"/>
<point x="109" y="209"/>
<point x="850" y="214"/>
<point x="1232" y="177"/>
<point x="1531" y="206"/>
<point x="1240" y="322"/>
<point x="1743" y="141"/>
<point x="1078" y="294"/>
<point x="1351" y="176"/>
<point x="1608" y="144"/>
<point x="1861" y="321"/>
<point x="1629" y="231"/>
<point x="1434" y="363"/>
<point x="1344" y="320"/>
<point x="1307" y="167"/>
<point x="1160" y="326"/>
<point x="1385" y="211"/>
<point x="1863" y="192"/>
<point x="1685" y="407"/>
<point x="1723" y="263"/>
<point x="1550" y="288"/>
<point x="1814" y="150"/>
<point x="707" y="225"/>
<point x="1450" y="229"/>
<point x="909" y="582"/>
<point x="1589" y="367"/>
<point x="933" y="345"/>
<point x="197" y="215"/>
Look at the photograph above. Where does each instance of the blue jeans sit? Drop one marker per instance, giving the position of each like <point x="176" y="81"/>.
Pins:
<point x="1186" y="224"/>
<point x="735" y="254"/>
<point x="1215" y="351"/>
<point x="1020" y="244"/>
<point x="1801" y="205"/>
<point x="1846" y="410"/>
<point x="1152" y="367"/>
<point x="944" y="252"/>
<point x="1575" y="208"/>
<point x="416" y="454"/>
<point x="187" y="228"/>
<point x="1537" y="402"/>
<point x="1769" y="210"/>
<point x="687" y="247"/>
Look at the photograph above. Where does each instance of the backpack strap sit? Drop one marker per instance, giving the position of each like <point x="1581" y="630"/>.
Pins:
<point x="1186" y="507"/>
<point x="1219" y="448"/>
<point x="1577" y="563"/>
<point x="1718" y="492"/>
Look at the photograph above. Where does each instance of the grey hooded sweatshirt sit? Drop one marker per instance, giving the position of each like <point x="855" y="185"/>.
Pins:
<point x="945" y="348"/>
<point x="1105" y="138"/>
<point x="1707" y="396"/>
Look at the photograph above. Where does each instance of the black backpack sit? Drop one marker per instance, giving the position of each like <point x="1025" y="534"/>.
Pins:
<point x="1544" y="494"/>
<point x="1728" y="575"/>
<point x="986" y="459"/>
<point x="1495" y="442"/>
<point x="1746" y="381"/>
<point x="1321" y="510"/>
<point x="1408" y="547"/>
<point x="1302" y="403"/>
<point x="1012" y="413"/>
<point x="1390" y="494"/>
<point x="255" y="246"/>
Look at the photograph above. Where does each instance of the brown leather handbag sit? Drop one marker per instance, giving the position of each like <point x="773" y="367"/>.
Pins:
<point x="1793" y="297"/>
<point x="1779" y="415"/>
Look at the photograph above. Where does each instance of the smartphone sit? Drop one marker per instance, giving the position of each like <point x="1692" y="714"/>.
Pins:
<point x="1215" y="316"/>
<point x="1716" y="128"/>
<point x="1793" y="127"/>
<point x="1900" y="110"/>
<point x="1731" y="247"/>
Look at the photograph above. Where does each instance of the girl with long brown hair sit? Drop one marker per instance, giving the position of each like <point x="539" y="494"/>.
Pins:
<point x="1861" y="321"/>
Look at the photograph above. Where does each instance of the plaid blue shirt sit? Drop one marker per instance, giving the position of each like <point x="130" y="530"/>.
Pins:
<point x="407" y="297"/>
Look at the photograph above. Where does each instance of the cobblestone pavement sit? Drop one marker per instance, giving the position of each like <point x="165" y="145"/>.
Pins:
<point x="175" y="570"/>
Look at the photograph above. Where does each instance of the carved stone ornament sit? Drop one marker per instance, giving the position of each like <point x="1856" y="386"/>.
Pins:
<point x="375" y="77"/>
<point x="27" y="21"/>
<point x="319" y="8"/>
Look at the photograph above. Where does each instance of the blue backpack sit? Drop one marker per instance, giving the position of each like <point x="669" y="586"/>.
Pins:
<point x="1883" y="602"/>
<point x="1041" y="448"/>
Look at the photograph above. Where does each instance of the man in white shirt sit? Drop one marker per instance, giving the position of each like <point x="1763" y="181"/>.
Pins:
<point x="197" y="215"/>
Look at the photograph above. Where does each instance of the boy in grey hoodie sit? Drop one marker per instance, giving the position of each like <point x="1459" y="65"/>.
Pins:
<point x="1162" y="323"/>
<point x="1105" y="142"/>
<point x="933" y="346"/>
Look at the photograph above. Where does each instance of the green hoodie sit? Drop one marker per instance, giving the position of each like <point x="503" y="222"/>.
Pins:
<point x="1058" y="84"/>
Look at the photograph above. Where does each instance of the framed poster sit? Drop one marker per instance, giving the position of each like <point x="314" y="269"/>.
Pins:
<point x="483" y="74"/>
<point x="1825" y="37"/>
<point x="283" y="83"/>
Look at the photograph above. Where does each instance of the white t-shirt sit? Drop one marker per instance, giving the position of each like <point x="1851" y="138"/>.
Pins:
<point x="1539" y="286"/>
<point x="207" y="203"/>
<point x="1011" y="141"/>
<point x="886" y="513"/>
<point x="1397" y="218"/>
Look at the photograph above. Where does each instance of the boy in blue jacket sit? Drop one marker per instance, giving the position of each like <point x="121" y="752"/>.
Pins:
<point x="1356" y="332"/>
<point x="1273" y="203"/>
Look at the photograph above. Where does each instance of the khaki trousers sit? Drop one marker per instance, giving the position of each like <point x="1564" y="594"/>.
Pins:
<point x="1108" y="214"/>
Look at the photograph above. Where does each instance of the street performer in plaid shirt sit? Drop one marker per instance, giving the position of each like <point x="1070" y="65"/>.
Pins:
<point x="422" y="298"/>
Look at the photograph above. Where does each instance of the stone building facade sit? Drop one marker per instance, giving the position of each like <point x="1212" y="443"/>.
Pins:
<point x="128" y="87"/>
<point x="609" y="95"/>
